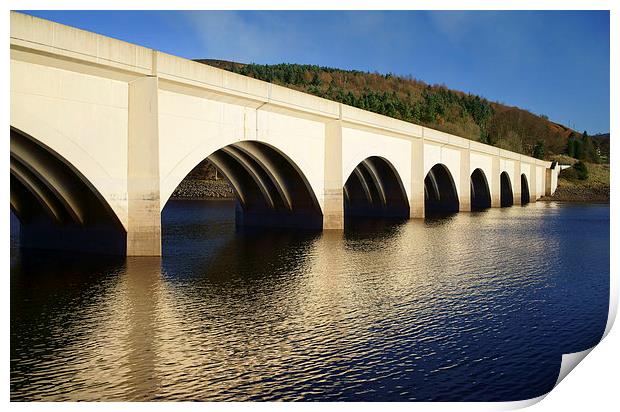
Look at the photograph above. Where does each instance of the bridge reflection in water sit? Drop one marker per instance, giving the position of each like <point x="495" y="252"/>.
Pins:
<point x="457" y="308"/>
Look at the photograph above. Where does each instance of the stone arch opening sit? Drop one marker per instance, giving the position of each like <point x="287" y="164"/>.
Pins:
<point x="58" y="209"/>
<point x="506" y="197"/>
<point x="479" y="189"/>
<point x="374" y="189"/>
<point x="525" y="190"/>
<point x="440" y="195"/>
<point x="270" y="190"/>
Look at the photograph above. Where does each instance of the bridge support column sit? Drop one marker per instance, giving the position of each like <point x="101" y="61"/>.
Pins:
<point x="495" y="183"/>
<point x="416" y="203"/>
<point x="549" y="182"/>
<point x="516" y="185"/>
<point x="333" y="203"/>
<point x="465" y="182"/>
<point x="548" y="173"/>
<point x="143" y="203"/>
<point x="533" y="183"/>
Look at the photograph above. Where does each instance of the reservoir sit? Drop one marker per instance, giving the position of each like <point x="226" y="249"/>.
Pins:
<point x="470" y="307"/>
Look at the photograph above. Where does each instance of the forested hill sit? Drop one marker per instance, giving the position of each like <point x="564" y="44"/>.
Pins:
<point x="602" y="141"/>
<point x="434" y="106"/>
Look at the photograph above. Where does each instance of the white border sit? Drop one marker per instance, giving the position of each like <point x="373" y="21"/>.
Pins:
<point x="593" y="386"/>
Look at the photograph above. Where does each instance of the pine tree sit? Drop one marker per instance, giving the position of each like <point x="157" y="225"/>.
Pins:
<point x="579" y="152"/>
<point x="539" y="150"/>
<point x="570" y="145"/>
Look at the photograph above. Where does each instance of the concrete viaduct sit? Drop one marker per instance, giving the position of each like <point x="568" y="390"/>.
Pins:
<point x="102" y="132"/>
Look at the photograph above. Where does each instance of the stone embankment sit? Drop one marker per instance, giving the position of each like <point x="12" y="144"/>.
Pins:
<point x="203" y="189"/>
<point x="210" y="189"/>
<point x="580" y="194"/>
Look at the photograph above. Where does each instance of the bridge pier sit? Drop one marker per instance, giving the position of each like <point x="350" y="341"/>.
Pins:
<point x="516" y="185"/>
<point x="495" y="183"/>
<point x="333" y="202"/>
<point x="533" y="184"/>
<point x="548" y="181"/>
<point x="143" y="202"/>
<point x="416" y="202"/>
<point x="465" y="182"/>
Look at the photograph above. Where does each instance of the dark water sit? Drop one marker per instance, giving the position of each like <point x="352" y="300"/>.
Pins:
<point x="474" y="307"/>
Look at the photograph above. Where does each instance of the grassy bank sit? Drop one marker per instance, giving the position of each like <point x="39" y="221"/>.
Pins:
<point x="595" y="188"/>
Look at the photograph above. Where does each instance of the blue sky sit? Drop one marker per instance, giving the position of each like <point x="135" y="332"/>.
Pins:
<point x="549" y="62"/>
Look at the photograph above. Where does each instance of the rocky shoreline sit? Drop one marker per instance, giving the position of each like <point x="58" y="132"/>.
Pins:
<point x="580" y="194"/>
<point x="221" y="189"/>
<point x="203" y="189"/>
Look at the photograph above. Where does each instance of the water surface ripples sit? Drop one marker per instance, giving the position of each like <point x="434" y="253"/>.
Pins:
<point x="471" y="307"/>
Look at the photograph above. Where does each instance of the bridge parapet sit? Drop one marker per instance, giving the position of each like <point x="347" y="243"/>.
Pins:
<point x="71" y="43"/>
<point x="68" y="42"/>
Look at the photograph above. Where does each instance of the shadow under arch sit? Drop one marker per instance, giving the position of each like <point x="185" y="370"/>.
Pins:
<point x="479" y="189"/>
<point x="374" y="189"/>
<point x="57" y="207"/>
<point x="270" y="189"/>
<point x="506" y="197"/>
<point x="440" y="196"/>
<point x="525" y="190"/>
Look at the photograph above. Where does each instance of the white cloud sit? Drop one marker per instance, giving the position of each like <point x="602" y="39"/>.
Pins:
<point x="232" y="35"/>
<point x="274" y="36"/>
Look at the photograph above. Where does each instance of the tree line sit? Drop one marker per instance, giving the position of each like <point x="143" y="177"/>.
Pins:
<point x="435" y="106"/>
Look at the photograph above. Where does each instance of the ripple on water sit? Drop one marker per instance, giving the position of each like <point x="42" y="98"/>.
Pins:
<point x="473" y="307"/>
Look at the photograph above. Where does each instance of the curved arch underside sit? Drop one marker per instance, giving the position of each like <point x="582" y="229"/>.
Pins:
<point x="56" y="208"/>
<point x="374" y="189"/>
<point x="440" y="194"/>
<point x="479" y="190"/>
<point x="506" y="197"/>
<point x="525" y="190"/>
<point x="270" y="189"/>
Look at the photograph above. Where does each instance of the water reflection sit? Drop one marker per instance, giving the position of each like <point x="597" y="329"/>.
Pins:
<point x="54" y="307"/>
<point x="143" y="287"/>
<point x="472" y="307"/>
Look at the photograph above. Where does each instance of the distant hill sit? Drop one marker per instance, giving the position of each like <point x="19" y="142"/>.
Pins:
<point x="406" y="98"/>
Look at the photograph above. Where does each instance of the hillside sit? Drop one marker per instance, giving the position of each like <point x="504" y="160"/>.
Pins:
<point x="602" y="141"/>
<point x="435" y="106"/>
<point x="593" y="188"/>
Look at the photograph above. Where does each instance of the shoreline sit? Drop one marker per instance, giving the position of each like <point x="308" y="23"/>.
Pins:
<point x="577" y="194"/>
<point x="203" y="189"/>
<point x="577" y="202"/>
<point x="221" y="190"/>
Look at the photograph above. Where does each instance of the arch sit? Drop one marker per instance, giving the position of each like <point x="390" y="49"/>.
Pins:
<point x="56" y="205"/>
<point x="440" y="195"/>
<point x="479" y="189"/>
<point x="375" y="189"/>
<point x="270" y="189"/>
<point x="506" y="197"/>
<point x="359" y="144"/>
<point x="525" y="190"/>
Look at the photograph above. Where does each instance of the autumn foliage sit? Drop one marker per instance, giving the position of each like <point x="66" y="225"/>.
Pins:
<point x="411" y="100"/>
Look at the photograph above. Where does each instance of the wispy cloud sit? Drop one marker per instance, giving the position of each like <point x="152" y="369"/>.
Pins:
<point x="308" y="36"/>
<point x="453" y="25"/>
<point x="521" y="57"/>
<point x="247" y="36"/>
